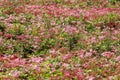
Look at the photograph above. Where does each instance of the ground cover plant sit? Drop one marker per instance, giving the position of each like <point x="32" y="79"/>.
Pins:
<point x="60" y="40"/>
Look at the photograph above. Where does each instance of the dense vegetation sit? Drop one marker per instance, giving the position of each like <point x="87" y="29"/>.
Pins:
<point x="60" y="40"/>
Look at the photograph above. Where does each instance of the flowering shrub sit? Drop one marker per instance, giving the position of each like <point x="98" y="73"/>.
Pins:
<point x="59" y="40"/>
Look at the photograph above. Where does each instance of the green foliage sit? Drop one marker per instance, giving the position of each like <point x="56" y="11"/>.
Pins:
<point x="58" y="1"/>
<point x="72" y="41"/>
<point x="113" y="1"/>
<point x="45" y="46"/>
<point x="2" y="26"/>
<point x="17" y="29"/>
<point x="102" y="46"/>
<point x="89" y="27"/>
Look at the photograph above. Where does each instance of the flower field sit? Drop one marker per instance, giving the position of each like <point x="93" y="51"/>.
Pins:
<point x="59" y="39"/>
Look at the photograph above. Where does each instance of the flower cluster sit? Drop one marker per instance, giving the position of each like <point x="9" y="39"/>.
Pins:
<point x="60" y="40"/>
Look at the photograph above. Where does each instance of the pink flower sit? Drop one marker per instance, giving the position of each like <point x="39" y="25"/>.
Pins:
<point x="79" y="75"/>
<point x="101" y="37"/>
<point x="88" y="54"/>
<point x="85" y="65"/>
<point x="14" y="61"/>
<point x="36" y="59"/>
<point x="35" y="67"/>
<point x="115" y="32"/>
<point x="92" y="39"/>
<point x="67" y="74"/>
<point x="18" y="61"/>
<point x="114" y="38"/>
<point x="12" y="57"/>
<point x="1" y="40"/>
<point x="36" y="39"/>
<point x="9" y="46"/>
<point x="81" y="54"/>
<point x="91" y="78"/>
<point x="95" y="12"/>
<point x="8" y="35"/>
<point x="52" y="51"/>
<point x="65" y="65"/>
<point x="70" y="30"/>
<point x="1" y="58"/>
<point x="66" y="57"/>
<point x="20" y="37"/>
<point x="15" y="74"/>
<point x="1" y="33"/>
<point x="117" y="58"/>
<point x="107" y="54"/>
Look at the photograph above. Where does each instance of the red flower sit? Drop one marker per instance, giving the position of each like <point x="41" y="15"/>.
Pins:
<point x="117" y="58"/>
<point x="67" y="74"/>
<point x="79" y="74"/>
<point x="107" y="54"/>
<point x="8" y="36"/>
<point x="1" y="33"/>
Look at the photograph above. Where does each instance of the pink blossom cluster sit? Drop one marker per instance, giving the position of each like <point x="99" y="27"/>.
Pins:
<point x="59" y="40"/>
